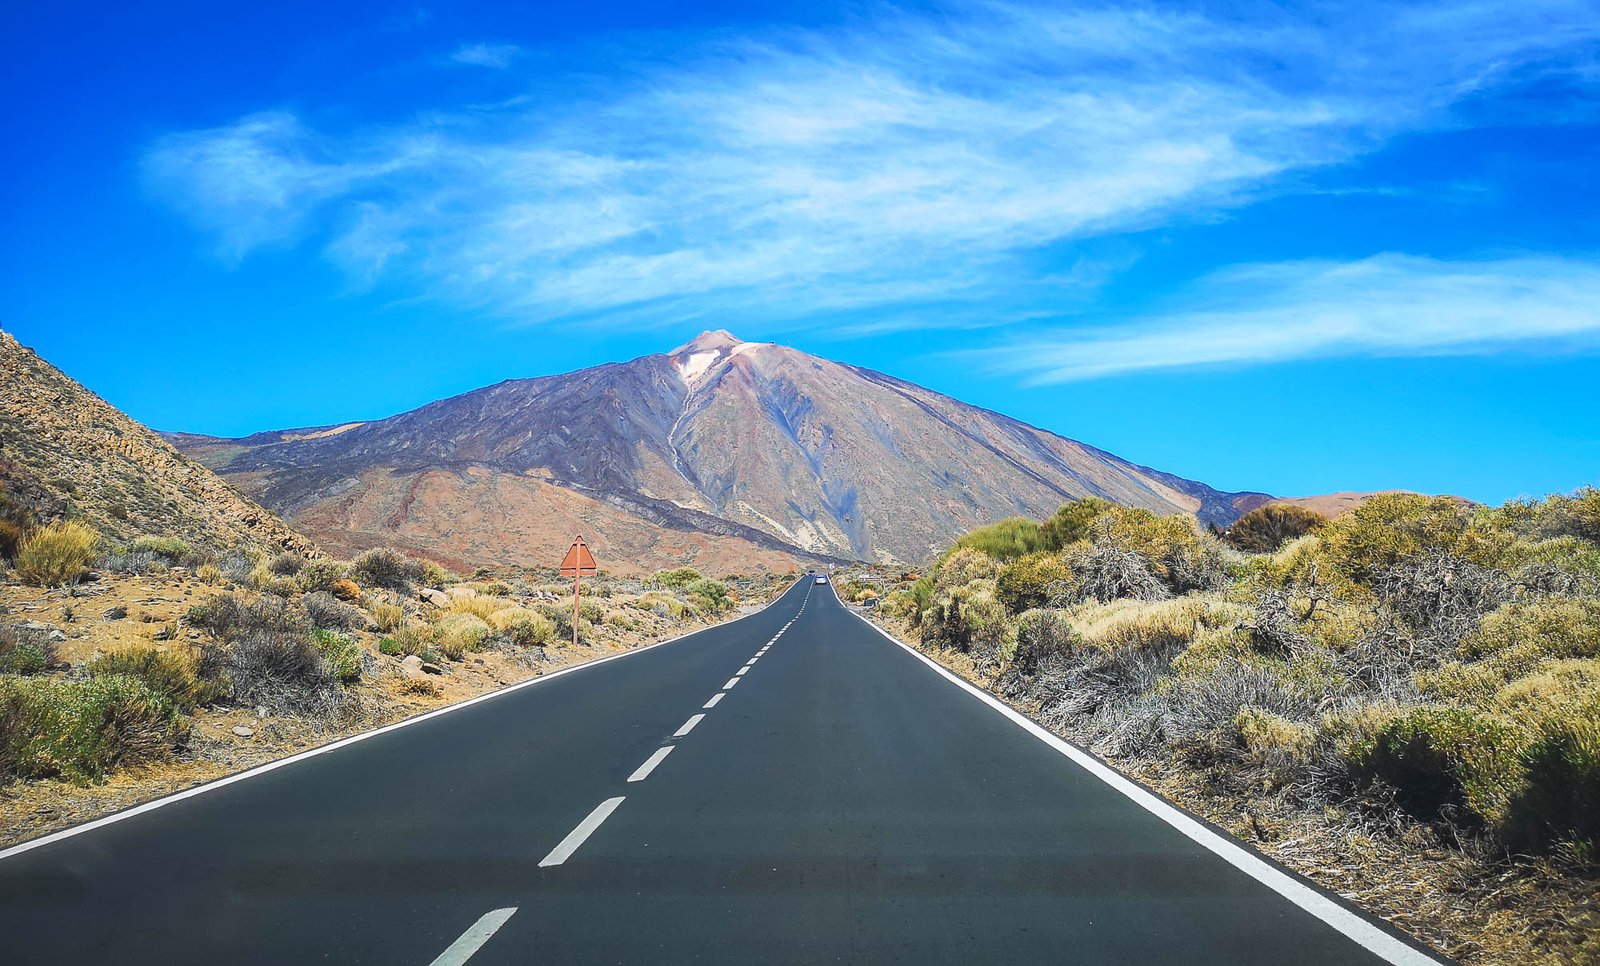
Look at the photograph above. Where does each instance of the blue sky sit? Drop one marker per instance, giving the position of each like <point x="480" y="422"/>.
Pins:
<point x="1297" y="248"/>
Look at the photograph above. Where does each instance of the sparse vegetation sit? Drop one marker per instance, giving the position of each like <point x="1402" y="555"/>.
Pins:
<point x="81" y="730"/>
<point x="1417" y="660"/>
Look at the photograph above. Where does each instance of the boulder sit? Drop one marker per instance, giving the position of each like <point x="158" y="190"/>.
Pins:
<point x="411" y="666"/>
<point x="437" y="598"/>
<point x="242" y="731"/>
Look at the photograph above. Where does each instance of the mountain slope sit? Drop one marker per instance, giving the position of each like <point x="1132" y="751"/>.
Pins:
<point x="63" y="450"/>
<point x="779" y="451"/>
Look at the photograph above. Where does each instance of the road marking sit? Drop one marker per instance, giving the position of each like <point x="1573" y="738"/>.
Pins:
<point x="741" y="672"/>
<point x="731" y="683"/>
<point x="688" y="726"/>
<point x="1353" y="925"/>
<point x="714" y="699"/>
<point x="579" y="835"/>
<point x="151" y="806"/>
<point x="473" y="939"/>
<point x="751" y="661"/>
<point x="644" y="770"/>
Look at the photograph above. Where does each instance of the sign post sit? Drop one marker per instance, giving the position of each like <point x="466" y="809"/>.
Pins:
<point x="577" y="564"/>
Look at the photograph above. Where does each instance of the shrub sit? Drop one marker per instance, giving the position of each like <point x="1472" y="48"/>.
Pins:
<point x="1196" y="564"/>
<point x="326" y="612"/>
<point x="524" y="628"/>
<point x="409" y="639"/>
<point x="346" y="590"/>
<point x="1559" y="800"/>
<point x="1164" y="627"/>
<point x="460" y="633"/>
<point x="962" y="566"/>
<point x="82" y="730"/>
<point x="1389" y="529"/>
<point x="320" y="575"/>
<point x="170" y="549"/>
<point x="341" y="654"/>
<point x="1006" y="540"/>
<point x="1442" y="762"/>
<point x="968" y="619"/>
<point x="25" y="651"/>
<point x="56" y="554"/>
<point x="12" y="534"/>
<point x="129" y="562"/>
<point x="276" y="668"/>
<point x="209" y="573"/>
<point x="173" y="674"/>
<point x="479" y="607"/>
<point x="388" y="568"/>
<point x="231" y="615"/>
<point x="1042" y="636"/>
<point x="1033" y="580"/>
<point x="1266" y="528"/>
<point x="286" y="564"/>
<point x="676" y="579"/>
<point x="282" y="587"/>
<point x="1072" y="521"/>
<point x="1555" y="626"/>
<point x="386" y="616"/>
<point x="1107" y="572"/>
<point x="713" y="594"/>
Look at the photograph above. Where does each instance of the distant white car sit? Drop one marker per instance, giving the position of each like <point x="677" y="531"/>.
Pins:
<point x="822" y="580"/>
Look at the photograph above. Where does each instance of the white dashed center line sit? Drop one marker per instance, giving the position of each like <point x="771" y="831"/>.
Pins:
<point x="688" y="726"/>
<point x="644" y="770"/>
<point x="714" y="699"/>
<point x="462" y="949"/>
<point x="741" y="672"/>
<point x="579" y="835"/>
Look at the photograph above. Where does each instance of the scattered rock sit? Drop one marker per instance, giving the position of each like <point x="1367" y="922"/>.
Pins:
<point x="242" y="731"/>
<point x="432" y="668"/>
<point x="411" y="666"/>
<point x="261" y="711"/>
<point x="437" y="598"/>
<point x="116" y="613"/>
<point x="50" y="632"/>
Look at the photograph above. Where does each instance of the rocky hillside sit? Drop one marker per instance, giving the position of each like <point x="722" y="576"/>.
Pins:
<point x="720" y="448"/>
<point x="66" y="452"/>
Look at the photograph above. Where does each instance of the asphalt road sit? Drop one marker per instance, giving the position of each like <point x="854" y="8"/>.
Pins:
<point x="839" y="801"/>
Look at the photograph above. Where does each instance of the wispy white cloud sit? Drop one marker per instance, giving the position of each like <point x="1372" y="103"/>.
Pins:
<point x="918" y="161"/>
<point x="493" y="56"/>
<point x="1381" y="306"/>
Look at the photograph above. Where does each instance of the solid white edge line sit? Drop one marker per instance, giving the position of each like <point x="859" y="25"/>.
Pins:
<point x="714" y="699"/>
<point x="473" y="939"/>
<point x="1355" y="928"/>
<point x="575" y="838"/>
<point x="226" y="780"/>
<point x="731" y="683"/>
<point x="644" y="770"/>
<point x="688" y="726"/>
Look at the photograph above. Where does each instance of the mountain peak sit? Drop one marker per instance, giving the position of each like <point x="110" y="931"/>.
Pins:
<point x="709" y="341"/>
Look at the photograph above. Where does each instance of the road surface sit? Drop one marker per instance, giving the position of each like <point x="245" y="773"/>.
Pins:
<point x="791" y="787"/>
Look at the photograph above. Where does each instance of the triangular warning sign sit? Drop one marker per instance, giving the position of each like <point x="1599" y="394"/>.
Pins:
<point x="578" y="562"/>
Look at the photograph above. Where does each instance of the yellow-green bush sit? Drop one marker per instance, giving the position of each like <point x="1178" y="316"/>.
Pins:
<point x="1071" y="522"/>
<point x="172" y="673"/>
<point x="479" y="607"/>
<point x="1390" y="528"/>
<point x="55" y="554"/>
<point x="408" y="639"/>
<point x="321" y="575"/>
<point x="1557" y="626"/>
<point x="171" y="549"/>
<point x="1142" y="625"/>
<point x="1006" y="540"/>
<point x="82" y="730"/>
<point x="460" y="633"/>
<point x="1032" y="580"/>
<point x="1444" y="760"/>
<point x="962" y="567"/>
<point x="1558" y="799"/>
<point x="523" y="627"/>
<point x="340" y="653"/>
<point x="1270" y="737"/>
<point x="386" y="615"/>
<point x="1042" y="635"/>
